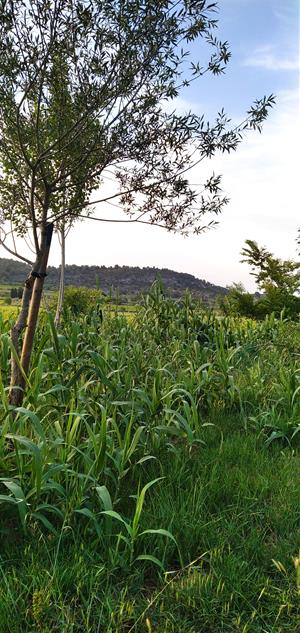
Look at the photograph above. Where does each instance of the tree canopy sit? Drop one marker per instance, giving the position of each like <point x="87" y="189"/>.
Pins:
<point x="84" y="87"/>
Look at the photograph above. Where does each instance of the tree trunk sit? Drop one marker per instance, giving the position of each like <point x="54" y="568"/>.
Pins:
<point x="61" y="291"/>
<point x="31" y="301"/>
<point x="15" y="334"/>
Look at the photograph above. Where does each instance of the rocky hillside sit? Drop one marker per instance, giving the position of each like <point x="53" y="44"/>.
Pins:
<point x="126" y="280"/>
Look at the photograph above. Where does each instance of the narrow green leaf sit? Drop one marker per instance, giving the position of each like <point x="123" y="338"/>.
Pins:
<point x="105" y="497"/>
<point x="160" y="531"/>
<point x="152" y="559"/>
<point x="34" y="420"/>
<point x="117" y="516"/>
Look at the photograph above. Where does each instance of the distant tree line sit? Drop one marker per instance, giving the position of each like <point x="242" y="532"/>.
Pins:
<point x="127" y="280"/>
<point x="16" y="293"/>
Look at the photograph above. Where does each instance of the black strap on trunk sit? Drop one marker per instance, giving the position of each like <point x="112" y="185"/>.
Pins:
<point x="38" y="275"/>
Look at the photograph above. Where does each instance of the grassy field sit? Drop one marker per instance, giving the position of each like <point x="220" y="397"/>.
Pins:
<point x="150" y="482"/>
<point x="9" y="307"/>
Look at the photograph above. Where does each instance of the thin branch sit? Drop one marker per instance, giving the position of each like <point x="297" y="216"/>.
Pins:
<point x="13" y="235"/>
<point x="9" y="250"/>
<point x="122" y="193"/>
<point x="174" y="229"/>
<point x="32" y="212"/>
<point x="132" y="221"/>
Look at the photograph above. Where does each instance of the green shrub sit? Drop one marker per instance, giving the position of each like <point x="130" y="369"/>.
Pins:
<point x="274" y="301"/>
<point x="239" y="303"/>
<point x="82" y="300"/>
<point x="78" y="300"/>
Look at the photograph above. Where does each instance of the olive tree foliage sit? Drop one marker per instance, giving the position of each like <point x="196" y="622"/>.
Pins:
<point x="84" y="87"/>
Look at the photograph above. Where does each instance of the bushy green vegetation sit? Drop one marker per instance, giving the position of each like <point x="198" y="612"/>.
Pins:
<point x="277" y="279"/>
<point x="149" y="483"/>
<point x="8" y="307"/>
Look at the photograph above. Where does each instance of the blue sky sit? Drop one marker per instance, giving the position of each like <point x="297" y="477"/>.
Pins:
<point x="263" y="37"/>
<point x="261" y="178"/>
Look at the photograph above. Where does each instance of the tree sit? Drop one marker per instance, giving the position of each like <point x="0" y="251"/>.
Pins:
<point x="83" y="88"/>
<point x="270" y="270"/>
<point x="238" y="302"/>
<point x="278" y="279"/>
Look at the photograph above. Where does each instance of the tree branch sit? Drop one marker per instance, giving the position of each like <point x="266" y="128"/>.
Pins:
<point x="9" y="250"/>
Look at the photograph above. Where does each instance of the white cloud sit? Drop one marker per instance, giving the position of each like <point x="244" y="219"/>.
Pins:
<point x="266" y="58"/>
<point x="287" y="13"/>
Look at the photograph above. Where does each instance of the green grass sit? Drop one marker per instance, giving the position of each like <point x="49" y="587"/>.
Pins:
<point x="233" y="506"/>
<point x="8" y="312"/>
<point x="151" y="481"/>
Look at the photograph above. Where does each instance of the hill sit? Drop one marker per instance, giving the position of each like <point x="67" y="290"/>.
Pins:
<point x="128" y="281"/>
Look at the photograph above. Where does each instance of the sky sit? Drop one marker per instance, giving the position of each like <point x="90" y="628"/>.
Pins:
<point x="261" y="178"/>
